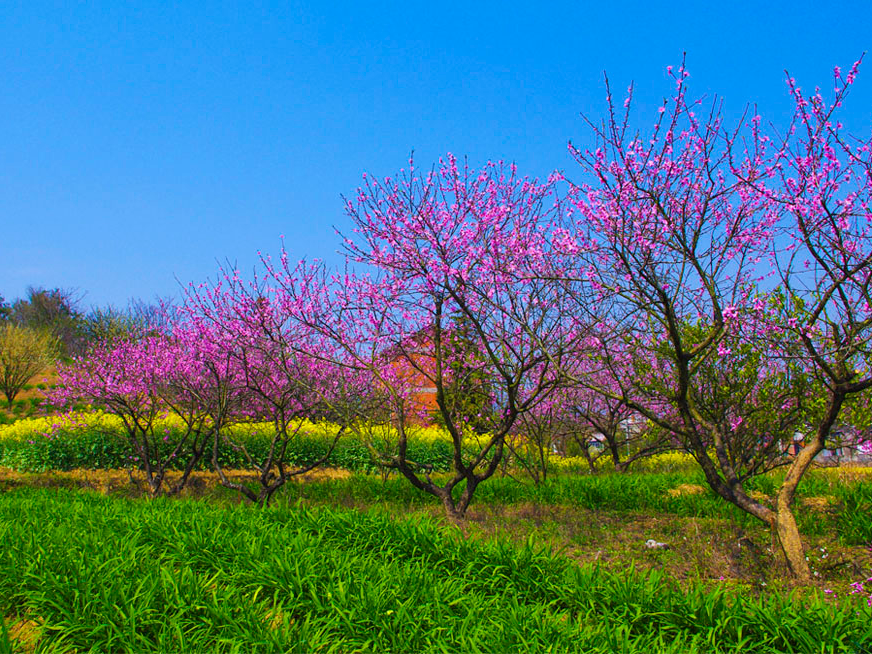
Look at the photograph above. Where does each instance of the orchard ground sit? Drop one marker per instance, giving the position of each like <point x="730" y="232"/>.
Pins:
<point x="85" y="572"/>
<point x="345" y="562"/>
<point x="346" y="559"/>
<point x="702" y="538"/>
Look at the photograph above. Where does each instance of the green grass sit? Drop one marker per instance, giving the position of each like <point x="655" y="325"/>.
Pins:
<point x="854" y="521"/>
<point x="648" y="492"/>
<point x="109" y="575"/>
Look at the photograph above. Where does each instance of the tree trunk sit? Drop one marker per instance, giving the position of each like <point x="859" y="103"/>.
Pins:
<point x="454" y="513"/>
<point x="155" y="481"/>
<point x="790" y="542"/>
<point x="785" y="522"/>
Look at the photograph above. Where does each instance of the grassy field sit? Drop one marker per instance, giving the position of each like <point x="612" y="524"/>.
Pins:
<point x="603" y="518"/>
<point x="85" y="572"/>
<point x="348" y="561"/>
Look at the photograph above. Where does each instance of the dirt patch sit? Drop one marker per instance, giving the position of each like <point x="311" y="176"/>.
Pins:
<point x="695" y="547"/>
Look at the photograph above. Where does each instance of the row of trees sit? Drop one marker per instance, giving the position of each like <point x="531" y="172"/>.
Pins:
<point x="713" y="280"/>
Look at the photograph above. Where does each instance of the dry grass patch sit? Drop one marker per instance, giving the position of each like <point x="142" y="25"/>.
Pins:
<point x="276" y="619"/>
<point x="133" y="482"/>
<point x="759" y="496"/>
<point x="686" y="489"/>
<point x="823" y="503"/>
<point x="24" y="634"/>
<point x="695" y="547"/>
<point x="847" y="474"/>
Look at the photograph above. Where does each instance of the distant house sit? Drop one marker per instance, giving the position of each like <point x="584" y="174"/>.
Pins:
<point x="845" y="444"/>
<point x="413" y="364"/>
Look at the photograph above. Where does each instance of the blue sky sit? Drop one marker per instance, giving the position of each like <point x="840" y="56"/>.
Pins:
<point x="141" y="142"/>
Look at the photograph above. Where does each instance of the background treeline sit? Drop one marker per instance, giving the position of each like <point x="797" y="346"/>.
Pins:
<point x="50" y="324"/>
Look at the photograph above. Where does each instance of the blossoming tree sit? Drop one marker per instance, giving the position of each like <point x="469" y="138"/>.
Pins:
<point x="685" y="250"/>
<point x="137" y="381"/>
<point x="438" y="250"/>
<point x="262" y="361"/>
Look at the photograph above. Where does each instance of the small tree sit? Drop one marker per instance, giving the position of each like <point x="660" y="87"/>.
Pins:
<point x="5" y="310"/>
<point x="137" y="382"/>
<point x="600" y="407"/>
<point x="444" y="246"/>
<point x="107" y="324"/>
<point x="23" y="353"/>
<point x="540" y="433"/>
<point x="466" y="392"/>
<point x="55" y="310"/>
<point x="259" y="360"/>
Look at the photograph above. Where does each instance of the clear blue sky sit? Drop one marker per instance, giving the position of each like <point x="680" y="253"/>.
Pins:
<point x="140" y="142"/>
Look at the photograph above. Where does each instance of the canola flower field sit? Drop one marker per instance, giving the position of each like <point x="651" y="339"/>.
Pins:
<point x="97" y="440"/>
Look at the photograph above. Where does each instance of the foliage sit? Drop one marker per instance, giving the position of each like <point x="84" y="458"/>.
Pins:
<point x="466" y="393"/>
<point x="95" y="440"/>
<point x="109" y="323"/>
<point x="54" y="310"/>
<point x="24" y="352"/>
<point x="663" y="462"/>
<point x="854" y="525"/>
<point x="633" y="494"/>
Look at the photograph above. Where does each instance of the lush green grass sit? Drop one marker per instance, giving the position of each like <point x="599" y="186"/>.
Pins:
<point x="105" y="575"/>
<point x="854" y="520"/>
<point x="55" y="443"/>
